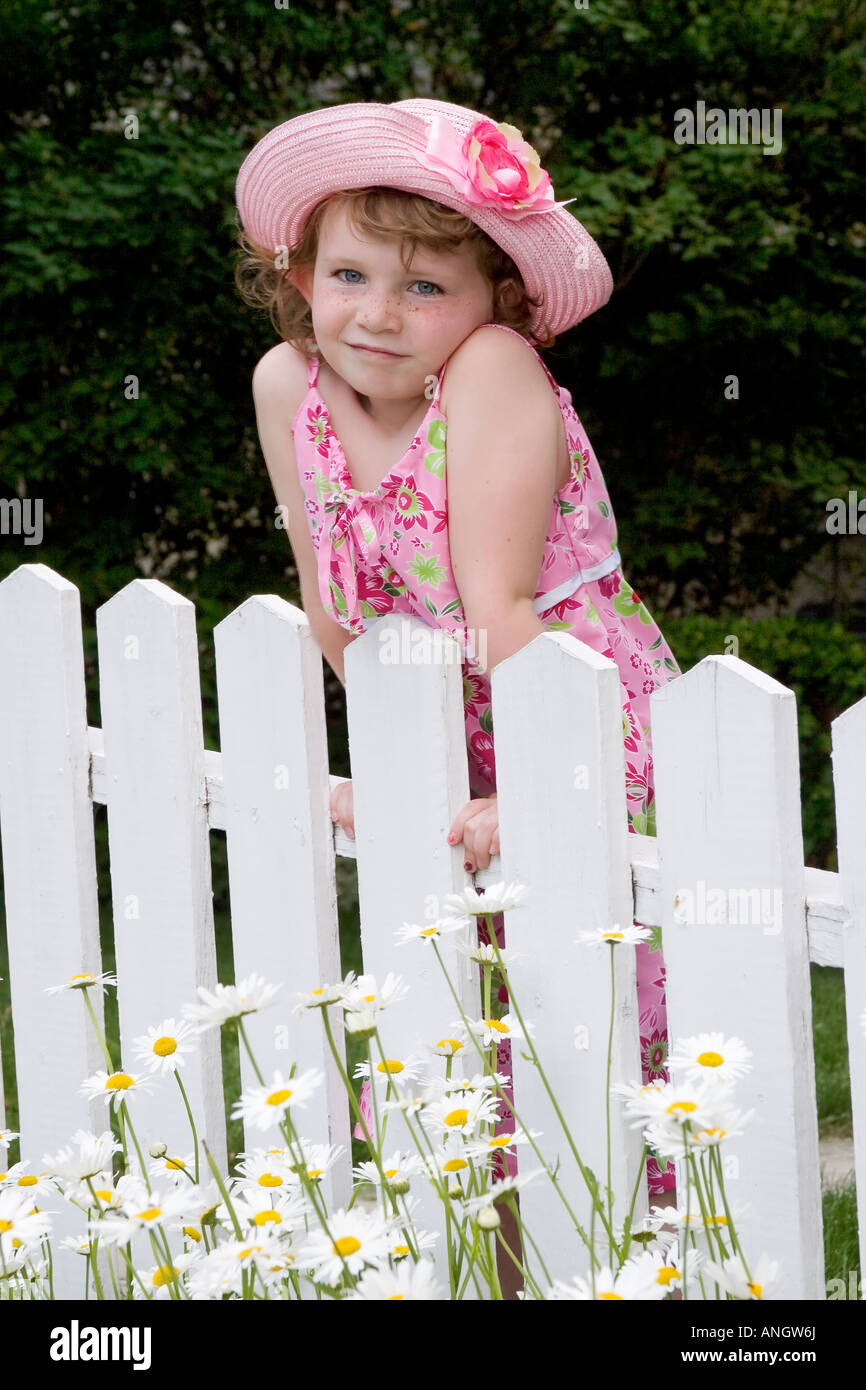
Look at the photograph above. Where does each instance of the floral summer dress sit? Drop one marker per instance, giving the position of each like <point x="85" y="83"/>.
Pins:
<point x="386" y="551"/>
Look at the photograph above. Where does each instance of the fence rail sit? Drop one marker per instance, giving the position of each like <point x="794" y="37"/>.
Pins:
<point x="724" y="879"/>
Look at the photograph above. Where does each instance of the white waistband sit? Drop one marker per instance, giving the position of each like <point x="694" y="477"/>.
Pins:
<point x="574" y="581"/>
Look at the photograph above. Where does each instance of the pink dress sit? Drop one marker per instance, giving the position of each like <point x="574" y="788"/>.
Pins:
<point x="386" y="551"/>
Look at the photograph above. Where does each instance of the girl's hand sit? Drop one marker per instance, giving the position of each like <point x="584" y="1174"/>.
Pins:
<point x="477" y="825"/>
<point x="343" y="808"/>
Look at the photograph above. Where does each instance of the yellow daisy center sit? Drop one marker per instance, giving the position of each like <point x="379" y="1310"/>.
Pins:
<point x="394" y="1298"/>
<point x="710" y="1059"/>
<point x="164" y="1047"/>
<point x="104" y="1194"/>
<point x="165" y="1274"/>
<point x="400" y="1250"/>
<point x="757" y="1290"/>
<point x="666" y="1274"/>
<point x="390" y="1065"/>
<point x="457" y="1117"/>
<point x="451" y="1043"/>
<point x="85" y="976"/>
<point x="430" y="931"/>
<point x="368" y="998"/>
<point x="27" y="1181"/>
<point x="454" y="1165"/>
<point x="685" y="1105"/>
<point x="500" y="1141"/>
<point x="278" y="1097"/>
<point x="250" y="1250"/>
<point x="391" y="1172"/>
<point x="315" y="1172"/>
<point x="262" y="1218"/>
<point x="150" y="1213"/>
<point x="720" y="1132"/>
<point x="175" y="1163"/>
<point x="609" y="1296"/>
<point x="5" y="1226"/>
<point x="497" y="1024"/>
<point x="270" y="1180"/>
<point x="346" y="1245"/>
<point x="119" y="1081"/>
<point x="318" y="991"/>
<point x="192" y="1233"/>
<point x="612" y="936"/>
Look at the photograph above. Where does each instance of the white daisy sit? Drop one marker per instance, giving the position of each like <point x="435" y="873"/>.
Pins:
<point x="159" y="1280"/>
<point x="674" y="1140"/>
<point x="460" y="1114"/>
<point x="431" y="931"/>
<point x="499" y="897"/>
<point x="323" y="996"/>
<point x="7" y="1135"/>
<point x="710" y="1055"/>
<point x="732" y="1277"/>
<point x="680" y="1103"/>
<point x="221" y="1271"/>
<point x="21" y="1226"/>
<point x="408" y="1282"/>
<point x="362" y="1023"/>
<point x="364" y="995"/>
<point x="191" y="1203"/>
<point x="490" y="1030"/>
<point x="635" y="1281"/>
<point x="395" y="1070"/>
<point x="449" y="1160"/>
<point x="410" y="1104"/>
<point x="319" y="1158"/>
<point x="667" y="1265"/>
<point x="356" y="1239"/>
<point x="265" y="1106"/>
<point x="32" y="1184"/>
<point x="613" y="936"/>
<point x="86" y="1155"/>
<point x="216" y="1007"/>
<point x="115" y="1088"/>
<point x="501" y="1190"/>
<point x="84" y="981"/>
<point x="488" y="954"/>
<point x="488" y="1144"/>
<point x="449" y="1047"/>
<point x="397" y="1168"/>
<point x="140" y="1211"/>
<point x="163" y="1049"/>
<point x="177" y="1169"/>
<point x="284" y="1211"/>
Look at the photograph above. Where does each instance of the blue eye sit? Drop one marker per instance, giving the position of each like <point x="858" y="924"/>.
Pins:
<point x="348" y="272"/>
<point x="432" y="286"/>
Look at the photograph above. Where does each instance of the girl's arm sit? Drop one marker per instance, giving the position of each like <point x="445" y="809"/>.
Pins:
<point x="505" y="429"/>
<point x="279" y="386"/>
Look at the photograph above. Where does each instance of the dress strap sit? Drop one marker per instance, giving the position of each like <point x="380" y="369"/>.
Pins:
<point x="312" y="370"/>
<point x="550" y="377"/>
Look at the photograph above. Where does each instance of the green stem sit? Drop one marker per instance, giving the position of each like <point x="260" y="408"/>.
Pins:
<point x="129" y="1126"/>
<point x="246" y="1042"/>
<point x="102" y="1043"/>
<point x="191" y="1121"/>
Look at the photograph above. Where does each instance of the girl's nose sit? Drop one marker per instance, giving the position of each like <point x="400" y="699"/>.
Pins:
<point x="378" y="312"/>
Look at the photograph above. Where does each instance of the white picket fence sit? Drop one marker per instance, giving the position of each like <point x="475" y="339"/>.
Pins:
<point x="728" y="798"/>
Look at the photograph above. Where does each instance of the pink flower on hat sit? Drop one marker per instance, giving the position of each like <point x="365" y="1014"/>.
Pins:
<point x="492" y="166"/>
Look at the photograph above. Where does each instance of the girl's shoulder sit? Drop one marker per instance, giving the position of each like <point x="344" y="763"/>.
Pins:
<point x="496" y="353"/>
<point x="281" y="379"/>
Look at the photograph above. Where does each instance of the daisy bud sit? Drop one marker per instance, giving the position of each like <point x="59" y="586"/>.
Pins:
<point x="158" y="1150"/>
<point x="400" y="1187"/>
<point x="488" y="1219"/>
<point x="454" y="1188"/>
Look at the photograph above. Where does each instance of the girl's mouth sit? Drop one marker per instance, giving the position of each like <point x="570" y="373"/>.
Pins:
<point x="377" y="352"/>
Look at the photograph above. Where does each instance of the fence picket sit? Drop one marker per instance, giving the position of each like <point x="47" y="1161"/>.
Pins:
<point x="409" y="773"/>
<point x="560" y="772"/>
<point x="280" y="843"/>
<point x="728" y="805"/>
<point x="49" y="867"/>
<point x="158" y="843"/>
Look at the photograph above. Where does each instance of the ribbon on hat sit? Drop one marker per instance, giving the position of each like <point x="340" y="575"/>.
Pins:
<point x="491" y="166"/>
<point x="350" y="542"/>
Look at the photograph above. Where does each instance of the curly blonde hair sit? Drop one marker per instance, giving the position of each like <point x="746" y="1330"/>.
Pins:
<point x="383" y="212"/>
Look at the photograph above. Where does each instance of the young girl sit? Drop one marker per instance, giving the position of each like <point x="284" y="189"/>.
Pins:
<point x="412" y="256"/>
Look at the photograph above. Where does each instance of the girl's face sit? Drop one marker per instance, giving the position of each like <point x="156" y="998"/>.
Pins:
<point x="361" y="296"/>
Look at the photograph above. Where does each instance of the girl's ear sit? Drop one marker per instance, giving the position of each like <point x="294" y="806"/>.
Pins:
<point x="301" y="277"/>
<point x="509" y="293"/>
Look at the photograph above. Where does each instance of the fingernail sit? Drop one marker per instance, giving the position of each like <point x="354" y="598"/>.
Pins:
<point x="468" y="867"/>
<point x="351" y="834"/>
<point x="451" y="837"/>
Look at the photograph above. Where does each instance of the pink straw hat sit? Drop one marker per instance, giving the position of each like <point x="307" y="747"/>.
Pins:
<point x="447" y="153"/>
